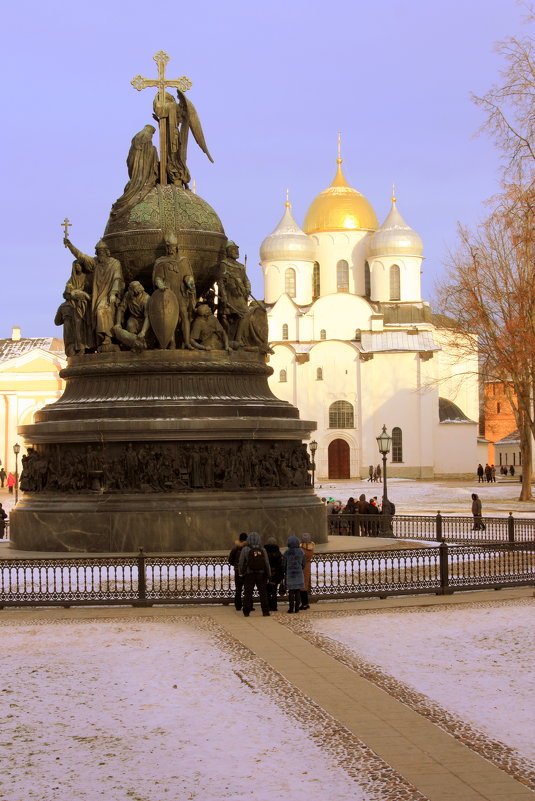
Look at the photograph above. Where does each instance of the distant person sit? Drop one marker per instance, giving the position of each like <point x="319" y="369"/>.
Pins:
<point x="378" y="473"/>
<point x="493" y="473"/>
<point x="363" y="509"/>
<point x="3" y="476"/>
<point x="511" y="470"/>
<point x="480" y="474"/>
<point x="477" y="513"/>
<point x="11" y="481"/>
<point x="307" y="546"/>
<point x="370" y="473"/>
<point x="373" y="525"/>
<point x="275" y="564"/>
<point x="234" y="561"/>
<point x="293" y="563"/>
<point x="254" y="568"/>
<point x="3" y="518"/>
<point x="350" y="507"/>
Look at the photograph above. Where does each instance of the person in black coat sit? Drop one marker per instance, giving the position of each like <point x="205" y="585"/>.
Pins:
<point x="275" y="563"/>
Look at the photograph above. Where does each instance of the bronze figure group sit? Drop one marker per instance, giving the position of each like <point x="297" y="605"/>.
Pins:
<point x="100" y="314"/>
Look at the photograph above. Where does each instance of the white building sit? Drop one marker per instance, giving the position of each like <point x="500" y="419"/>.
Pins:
<point x="356" y="346"/>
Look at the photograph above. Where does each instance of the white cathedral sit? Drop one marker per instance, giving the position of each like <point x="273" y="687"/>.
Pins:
<point x="356" y="347"/>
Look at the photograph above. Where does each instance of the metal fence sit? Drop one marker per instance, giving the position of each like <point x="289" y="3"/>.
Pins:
<point x="440" y="528"/>
<point x="146" y="580"/>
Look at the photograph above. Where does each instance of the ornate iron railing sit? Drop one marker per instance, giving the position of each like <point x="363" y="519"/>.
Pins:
<point x="434" y="527"/>
<point x="146" y="580"/>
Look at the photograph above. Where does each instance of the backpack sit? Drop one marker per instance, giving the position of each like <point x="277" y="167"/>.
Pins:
<point x="255" y="560"/>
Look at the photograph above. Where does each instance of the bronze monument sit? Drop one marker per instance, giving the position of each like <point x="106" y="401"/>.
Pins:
<point x="167" y="435"/>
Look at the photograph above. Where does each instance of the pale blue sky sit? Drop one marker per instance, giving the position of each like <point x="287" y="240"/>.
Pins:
<point x="273" y="82"/>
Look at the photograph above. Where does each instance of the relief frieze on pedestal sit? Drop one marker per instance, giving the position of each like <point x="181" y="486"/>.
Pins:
<point x="165" y="466"/>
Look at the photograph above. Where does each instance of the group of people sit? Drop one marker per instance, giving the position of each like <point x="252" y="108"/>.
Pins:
<point x="374" y="473"/>
<point x="271" y="572"/>
<point x="488" y="473"/>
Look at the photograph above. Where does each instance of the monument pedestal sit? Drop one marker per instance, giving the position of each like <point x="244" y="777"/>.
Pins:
<point x="170" y="450"/>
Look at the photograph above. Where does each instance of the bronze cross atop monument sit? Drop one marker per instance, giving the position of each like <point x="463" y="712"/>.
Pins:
<point x="66" y="225"/>
<point x="161" y="82"/>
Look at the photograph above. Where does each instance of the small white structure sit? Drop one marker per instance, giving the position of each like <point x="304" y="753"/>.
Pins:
<point x="356" y="347"/>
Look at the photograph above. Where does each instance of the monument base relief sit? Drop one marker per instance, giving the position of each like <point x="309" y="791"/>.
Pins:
<point x="167" y="435"/>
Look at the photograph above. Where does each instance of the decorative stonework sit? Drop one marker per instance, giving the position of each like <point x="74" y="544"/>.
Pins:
<point x="165" y="466"/>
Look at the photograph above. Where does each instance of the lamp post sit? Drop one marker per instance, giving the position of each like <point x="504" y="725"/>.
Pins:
<point x="313" y="448"/>
<point x="16" y="451"/>
<point x="384" y="441"/>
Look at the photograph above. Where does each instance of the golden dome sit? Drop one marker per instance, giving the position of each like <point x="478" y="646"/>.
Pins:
<point x="340" y="208"/>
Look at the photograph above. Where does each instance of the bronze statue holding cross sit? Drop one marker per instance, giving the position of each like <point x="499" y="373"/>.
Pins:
<point x="175" y="120"/>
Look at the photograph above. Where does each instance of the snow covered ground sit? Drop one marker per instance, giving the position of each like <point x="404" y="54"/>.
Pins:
<point x="154" y="710"/>
<point x="475" y="661"/>
<point x="428" y="497"/>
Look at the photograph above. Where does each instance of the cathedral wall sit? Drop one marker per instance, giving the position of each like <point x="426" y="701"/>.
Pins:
<point x="458" y="374"/>
<point x="333" y="246"/>
<point x="392" y="394"/>
<point x="410" y="283"/>
<point x="456" y="448"/>
<point x="340" y="315"/>
<point x="275" y="280"/>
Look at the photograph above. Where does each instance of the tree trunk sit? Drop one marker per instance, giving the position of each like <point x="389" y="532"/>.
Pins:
<point x="525" y="450"/>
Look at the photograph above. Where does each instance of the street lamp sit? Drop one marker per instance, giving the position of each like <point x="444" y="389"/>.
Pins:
<point x="16" y="451"/>
<point x="313" y="448"/>
<point x="384" y="440"/>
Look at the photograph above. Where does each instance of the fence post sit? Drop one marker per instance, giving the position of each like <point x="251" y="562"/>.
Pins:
<point x="439" y="527"/>
<point x="511" y="527"/>
<point x="141" y="577"/>
<point x="444" y="578"/>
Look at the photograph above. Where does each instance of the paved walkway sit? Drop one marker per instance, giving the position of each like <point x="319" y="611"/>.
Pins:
<point x="441" y="767"/>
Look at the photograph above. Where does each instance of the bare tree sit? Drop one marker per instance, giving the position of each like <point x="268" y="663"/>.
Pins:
<point x="489" y="291"/>
<point x="490" y="285"/>
<point x="509" y="107"/>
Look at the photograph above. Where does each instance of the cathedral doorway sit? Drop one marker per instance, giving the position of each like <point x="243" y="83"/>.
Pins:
<point x="338" y="459"/>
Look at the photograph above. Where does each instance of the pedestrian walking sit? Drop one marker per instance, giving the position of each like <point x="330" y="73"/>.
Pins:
<point x="11" y="483"/>
<point x="275" y="565"/>
<point x="234" y="561"/>
<point x="480" y="474"/>
<point x="293" y="563"/>
<point x="3" y="476"/>
<point x="370" y="473"/>
<point x="493" y="473"/>
<point x="379" y="473"/>
<point x="307" y="546"/>
<point x="254" y="568"/>
<point x="477" y="513"/>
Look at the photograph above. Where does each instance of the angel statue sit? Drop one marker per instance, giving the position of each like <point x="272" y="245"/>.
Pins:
<point x="180" y="117"/>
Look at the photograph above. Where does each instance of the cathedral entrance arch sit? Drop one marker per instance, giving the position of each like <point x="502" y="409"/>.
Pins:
<point x="338" y="459"/>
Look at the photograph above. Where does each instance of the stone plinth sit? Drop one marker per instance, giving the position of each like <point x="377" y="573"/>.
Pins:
<point x="171" y="450"/>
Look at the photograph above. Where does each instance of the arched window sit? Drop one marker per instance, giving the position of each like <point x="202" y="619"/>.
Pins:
<point x="323" y="334"/>
<point x="289" y="282"/>
<point x="319" y="374"/>
<point x="367" y="281"/>
<point x="316" y="281"/>
<point x="342" y="276"/>
<point x="285" y="331"/>
<point x="397" y="445"/>
<point x="395" y="292"/>
<point x="282" y="376"/>
<point x="341" y="415"/>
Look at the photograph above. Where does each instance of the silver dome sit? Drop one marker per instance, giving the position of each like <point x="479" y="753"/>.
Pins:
<point x="395" y="237"/>
<point x="288" y="241"/>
